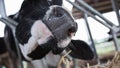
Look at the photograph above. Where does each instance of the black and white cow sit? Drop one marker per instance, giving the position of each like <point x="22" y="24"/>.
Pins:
<point x="38" y="32"/>
<point x="32" y="12"/>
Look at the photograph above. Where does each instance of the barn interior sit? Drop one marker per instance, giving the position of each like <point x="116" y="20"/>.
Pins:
<point x="104" y="49"/>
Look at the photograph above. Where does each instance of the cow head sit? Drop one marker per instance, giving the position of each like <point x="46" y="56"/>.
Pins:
<point x="37" y="36"/>
<point x="62" y="25"/>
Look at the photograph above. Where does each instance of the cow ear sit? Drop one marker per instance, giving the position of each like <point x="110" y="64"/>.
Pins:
<point x="80" y="50"/>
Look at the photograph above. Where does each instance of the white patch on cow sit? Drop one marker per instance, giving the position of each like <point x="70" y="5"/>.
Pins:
<point x="24" y="52"/>
<point x="40" y="34"/>
<point x="64" y="43"/>
<point x="52" y="59"/>
<point x="29" y="47"/>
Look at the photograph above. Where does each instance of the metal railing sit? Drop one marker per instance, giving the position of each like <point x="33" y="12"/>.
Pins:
<point x="12" y="24"/>
<point x="88" y="10"/>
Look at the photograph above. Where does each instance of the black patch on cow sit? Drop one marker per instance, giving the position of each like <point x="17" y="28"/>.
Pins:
<point x="57" y="50"/>
<point x="43" y="49"/>
<point x="80" y="50"/>
<point x="3" y="48"/>
<point x="23" y="30"/>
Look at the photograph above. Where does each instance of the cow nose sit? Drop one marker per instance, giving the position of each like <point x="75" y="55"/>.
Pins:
<point x="73" y="28"/>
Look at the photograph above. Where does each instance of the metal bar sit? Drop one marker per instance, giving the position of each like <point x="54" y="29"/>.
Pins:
<point x="3" y="14"/>
<point x="18" y="50"/>
<point x="95" y="12"/>
<point x="115" y="39"/>
<point x="8" y="22"/>
<point x="11" y="21"/>
<point x="115" y="7"/>
<point x="91" y="38"/>
<point x="85" y="11"/>
<point x="2" y="9"/>
<point x="7" y="42"/>
<point x="12" y="24"/>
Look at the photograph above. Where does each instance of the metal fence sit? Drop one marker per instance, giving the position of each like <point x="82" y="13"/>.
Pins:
<point x="12" y="24"/>
<point x="88" y="10"/>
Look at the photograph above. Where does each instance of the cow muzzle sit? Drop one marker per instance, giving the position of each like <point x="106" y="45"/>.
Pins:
<point x="60" y="22"/>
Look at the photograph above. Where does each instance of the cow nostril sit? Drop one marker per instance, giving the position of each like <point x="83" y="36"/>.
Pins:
<point x="72" y="29"/>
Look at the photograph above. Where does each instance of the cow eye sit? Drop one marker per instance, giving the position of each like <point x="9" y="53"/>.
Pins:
<point x="49" y="18"/>
<point x="49" y="2"/>
<point x="58" y="15"/>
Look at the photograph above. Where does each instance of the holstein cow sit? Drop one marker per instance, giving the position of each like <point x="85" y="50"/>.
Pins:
<point x="44" y="26"/>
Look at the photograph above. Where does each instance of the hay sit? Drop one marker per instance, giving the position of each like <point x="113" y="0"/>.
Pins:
<point x="65" y="60"/>
<point x="115" y="63"/>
